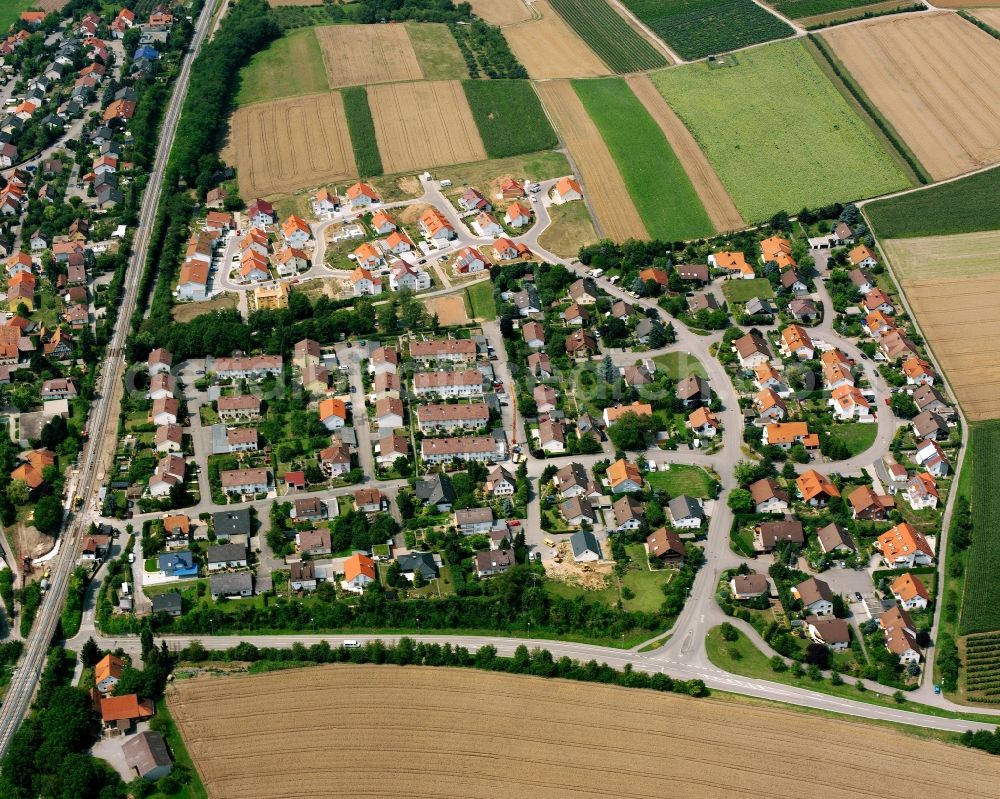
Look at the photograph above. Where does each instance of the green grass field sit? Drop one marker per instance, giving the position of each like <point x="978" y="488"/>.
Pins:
<point x="680" y="479"/>
<point x="609" y="35"/>
<point x="509" y="116"/>
<point x="480" y="302"/>
<point x="10" y="12"/>
<point x="437" y="51"/>
<point x="290" y="66"/>
<point x="697" y="28"/>
<point x="857" y="437"/>
<point x="968" y="205"/>
<point x="777" y="143"/>
<point x="362" y="130"/>
<point x="656" y="181"/>
<point x="570" y="230"/>
<point x="678" y="364"/>
<point x="980" y="610"/>
<point x="744" y="290"/>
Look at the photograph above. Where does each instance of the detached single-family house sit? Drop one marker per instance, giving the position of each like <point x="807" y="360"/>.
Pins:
<point x="815" y="596"/>
<point x="585" y="547"/>
<point x="666" y="545"/>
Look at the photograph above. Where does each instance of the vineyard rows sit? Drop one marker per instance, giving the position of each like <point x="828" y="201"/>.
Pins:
<point x="608" y="35"/>
<point x="982" y="667"/>
<point x="980" y="610"/>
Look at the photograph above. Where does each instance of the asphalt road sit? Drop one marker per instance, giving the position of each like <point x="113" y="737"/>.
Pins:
<point x="103" y="423"/>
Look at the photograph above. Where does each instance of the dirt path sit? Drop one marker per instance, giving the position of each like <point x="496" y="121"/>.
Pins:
<point x="718" y="204"/>
<point x="603" y="186"/>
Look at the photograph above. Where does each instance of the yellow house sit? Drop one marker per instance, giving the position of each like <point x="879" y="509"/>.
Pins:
<point x="271" y="298"/>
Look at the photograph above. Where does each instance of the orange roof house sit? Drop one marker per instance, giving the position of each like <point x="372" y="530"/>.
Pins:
<point x="905" y="545"/>
<point x="359" y="565"/>
<point x="568" y="189"/>
<point x="816" y="488"/>
<point x="31" y="471"/>
<point x="295" y="224"/>
<point x="122" y="710"/>
<point x="622" y="475"/>
<point x="658" y="276"/>
<point x="359" y="191"/>
<point x="330" y="408"/>
<point x="909" y="590"/>
<point x="778" y="250"/>
<point x="734" y="262"/>
<point x="785" y="434"/>
<point x="107" y="673"/>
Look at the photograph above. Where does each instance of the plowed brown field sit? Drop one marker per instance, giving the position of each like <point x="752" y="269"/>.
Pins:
<point x="713" y="195"/>
<point x="549" y="48"/>
<point x="422" y="125"/>
<point x="953" y="286"/>
<point x="285" y="145"/>
<point x="500" y="12"/>
<point x="991" y="16"/>
<point x="362" y="54"/>
<point x="603" y="185"/>
<point x="936" y="78"/>
<point x="390" y="731"/>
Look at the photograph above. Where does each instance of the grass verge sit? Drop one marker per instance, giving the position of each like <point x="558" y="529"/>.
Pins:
<point x="682" y="479"/>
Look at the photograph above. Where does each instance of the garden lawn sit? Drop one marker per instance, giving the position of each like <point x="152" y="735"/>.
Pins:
<point x="509" y="116"/>
<point x="697" y="28"/>
<point x="679" y="364"/>
<point x="290" y="66"/>
<point x="779" y="143"/>
<point x="745" y="290"/>
<point x="656" y="181"/>
<point x="968" y="205"/>
<point x="857" y="437"/>
<point x="680" y="479"/>
<point x="481" y="303"/>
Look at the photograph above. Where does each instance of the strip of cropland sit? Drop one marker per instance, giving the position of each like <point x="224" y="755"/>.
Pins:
<point x="509" y="116"/>
<point x="609" y="35"/>
<point x="615" y="213"/>
<point x="966" y="205"/>
<point x="667" y="202"/>
<point x="362" y="130"/>
<point x="698" y="28"/>
<point x="469" y="733"/>
<point x="776" y="143"/>
<point x="797" y="9"/>
<point x="718" y="204"/>
<point x="941" y="274"/>
<point x="936" y="78"/>
<point x="980" y="610"/>
<point x="549" y="48"/>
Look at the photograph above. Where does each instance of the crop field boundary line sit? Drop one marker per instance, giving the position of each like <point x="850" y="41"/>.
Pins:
<point x="868" y="111"/>
<point x="617" y="5"/>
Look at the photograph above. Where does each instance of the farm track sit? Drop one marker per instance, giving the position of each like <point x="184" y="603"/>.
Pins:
<point x="604" y="188"/>
<point x="936" y="78"/>
<point x="290" y="144"/>
<point x="549" y="48"/>
<point x="456" y="733"/>
<point x="365" y="54"/>
<point x="718" y="204"/>
<point x="422" y="125"/>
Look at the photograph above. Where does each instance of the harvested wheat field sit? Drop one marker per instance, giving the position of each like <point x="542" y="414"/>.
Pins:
<point x="424" y="732"/>
<point x="290" y="144"/>
<point x="549" y="48"/>
<point x="450" y="309"/>
<point x="426" y="124"/>
<point x="364" y="54"/>
<point x="936" y="78"/>
<point x="991" y="16"/>
<point x="718" y="204"/>
<point x="500" y="12"/>
<point x="941" y="274"/>
<point x="609" y="199"/>
<point x="49" y="6"/>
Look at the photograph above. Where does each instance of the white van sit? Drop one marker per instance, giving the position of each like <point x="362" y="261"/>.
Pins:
<point x="445" y="183"/>
<point x="596" y="273"/>
<point x="352" y="644"/>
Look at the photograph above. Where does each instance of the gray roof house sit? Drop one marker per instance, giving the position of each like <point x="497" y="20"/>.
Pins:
<point x="585" y="546"/>
<point x="231" y="584"/>
<point x="146" y="755"/>
<point x="422" y="562"/>
<point x="167" y="603"/>
<point x="435" y="489"/>
<point x="685" y="511"/>
<point x="232" y="522"/>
